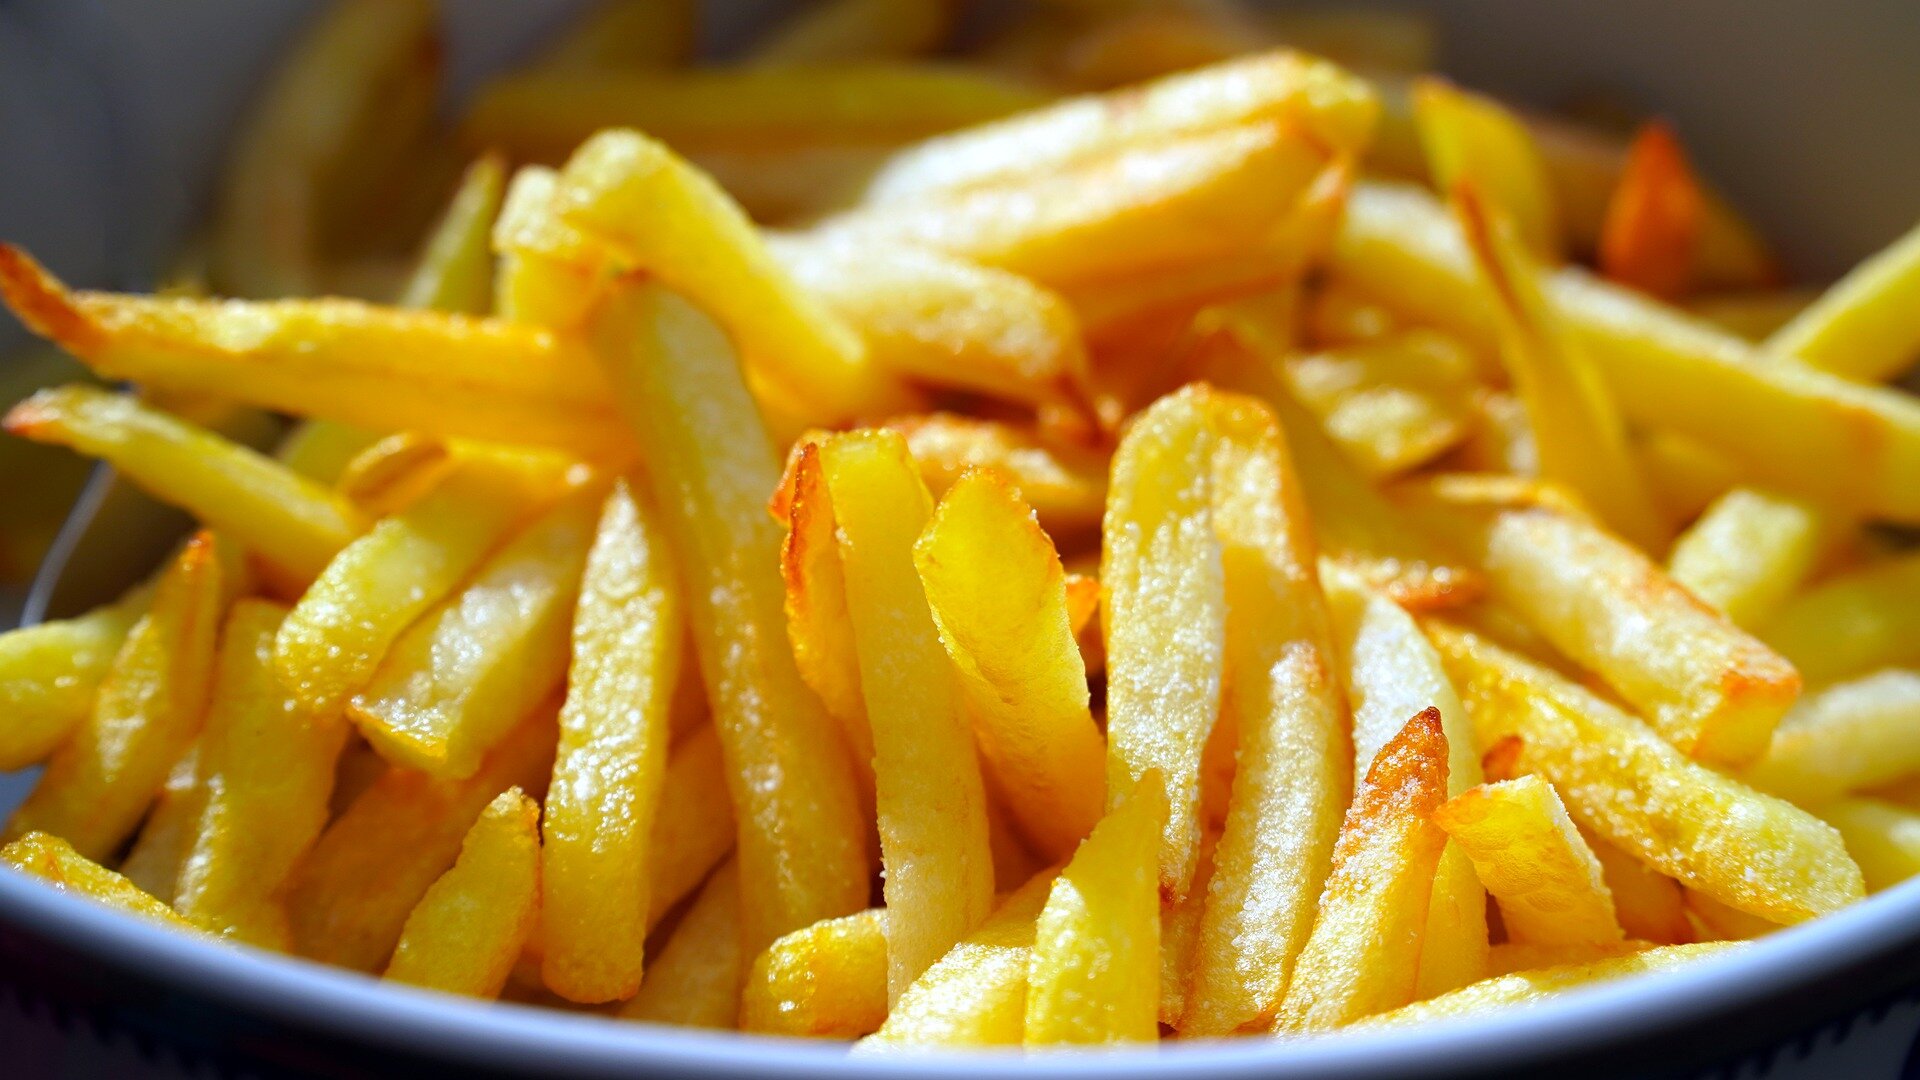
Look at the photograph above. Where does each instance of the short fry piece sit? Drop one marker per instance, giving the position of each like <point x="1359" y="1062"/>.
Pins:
<point x="1651" y="906"/>
<point x="49" y="674"/>
<point x="696" y="979"/>
<point x="455" y="271"/>
<point x="1864" y="327"/>
<point x="1391" y="404"/>
<point x="53" y="860"/>
<point x="1531" y="858"/>
<point x="1749" y="551"/>
<point x="1509" y="957"/>
<point x="466" y="932"/>
<point x="1845" y="738"/>
<point x="1524" y="988"/>
<point x="1852" y="623"/>
<point x="828" y="980"/>
<point x="1882" y="837"/>
<point x="1472" y="139"/>
<point x="1651" y="237"/>
<point x="1066" y="488"/>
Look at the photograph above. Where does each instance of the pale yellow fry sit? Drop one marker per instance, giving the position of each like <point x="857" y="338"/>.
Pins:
<point x="1715" y="921"/>
<point x="1066" y="486"/>
<point x="696" y="979"/>
<point x="321" y="450"/>
<point x="1284" y="701"/>
<point x="1752" y="314"/>
<point x="1865" y="327"/>
<point x="49" y="674"/>
<point x="626" y="33"/>
<point x="693" y="826"/>
<point x="1509" y="957"/>
<point x="711" y="467"/>
<point x="167" y="835"/>
<point x="1526" y="988"/>
<point x="842" y="31"/>
<point x="1852" y="623"/>
<point x="1882" y="837"/>
<point x="147" y="712"/>
<point x="1180" y="923"/>
<point x="1327" y="102"/>
<point x="1093" y="972"/>
<point x="596" y="866"/>
<point x="1651" y="906"/>
<point x="828" y="980"/>
<point x="1165" y="612"/>
<point x="1709" y="687"/>
<point x="1363" y="955"/>
<point x="975" y="995"/>
<point x="1749" y="551"/>
<point x="1471" y="138"/>
<point x="930" y="798"/>
<point x="455" y="269"/>
<point x="295" y="524"/>
<point x="267" y="766"/>
<point x="1633" y="789"/>
<point x="1531" y="858"/>
<point x="1847" y="737"/>
<point x="334" y="640"/>
<point x="54" y="861"/>
<point x="548" y="272"/>
<point x="458" y="679"/>
<point x="391" y="473"/>
<point x="466" y="932"/>
<point x="1392" y="404"/>
<point x="1800" y="431"/>
<point x="999" y="598"/>
<point x="1183" y="201"/>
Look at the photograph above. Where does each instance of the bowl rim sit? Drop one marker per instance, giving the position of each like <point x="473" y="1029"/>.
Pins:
<point x="328" y="1001"/>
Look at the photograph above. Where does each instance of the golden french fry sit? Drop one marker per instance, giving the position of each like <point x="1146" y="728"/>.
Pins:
<point x="1863" y="327"/>
<point x="853" y="31"/>
<point x="353" y="892"/>
<point x="693" y="826"/>
<point x="391" y="473"/>
<point x="1392" y="404"/>
<point x="1362" y="957"/>
<point x="1472" y="139"/>
<point x="548" y="272"/>
<point x="1337" y="314"/>
<point x="54" y="861"/>
<point x="1845" y="738"/>
<point x="711" y="467"/>
<point x="1749" y="551"/>
<point x="1531" y="858"/>
<point x="455" y="270"/>
<point x="266" y="764"/>
<point x="320" y="450"/>
<point x="610" y="766"/>
<point x="1509" y="957"/>
<point x="1283" y="700"/>
<point x="1093" y="972"/>
<point x="999" y="599"/>
<point x="626" y="33"/>
<point x="1715" y="921"/>
<point x="1331" y="105"/>
<point x="291" y="522"/>
<point x="1882" y="837"/>
<point x="1066" y="487"/>
<point x="1634" y="790"/>
<point x="466" y="932"/>
<point x="147" y="712"/>
<point x="1165" y="612"/>
<point x="1651" y="237"/>
<point x="1126" y="44"/>
<point x="50" y="672"/>
<point x="1852" y="623"/>
<point x="166" y="836"/>
<point x="1753" y="314"/>
<point x="1651" y="906"/>
<point x="696" y="979"/>
<point x="1524" y="988"/>
<point x="1181" y="920"/>
<point x="1685" y="475"/>
<point x="828" y="980"/>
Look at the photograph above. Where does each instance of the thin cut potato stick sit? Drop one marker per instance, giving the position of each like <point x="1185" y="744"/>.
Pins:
<point x="1165" y="610"/>
<point x="50" y="672"/>
<point x="1749" y="551"/>
<point x="267" y="766"/>
<point x="1863" y="327"/>
<point x="54" y="861"/>
<point x="1852" y="623"/>
<point x="1633" y="789"/>
<point x="1472" y="139"/>
<point x="1363" y="955"/>
<point x="842" y="31"/>
<point x="147" y="712"/>
<point x="1525" y="988"/>
<point x="1752" y="314"/>
<point x="1066" y="487"/>
<point x="711" y="466"/>
<point x="1509" y="957"/>
<point x="1884" y="838"/>
<point x="455" y="270"/>
<point x="931" y="802"/>
<point x="1715" y="921"/>
<point x="1392" y="404"/>
<point x="391" y="473"/>
<point x="166" y="837"/>
<point x="828" y="980"/>
<point x="696" y="979"/>
<point x="609" y="768"/>
<point x="1093" y="973"/>
<point x="1847" y="737"/>
<point x="999" y="598"/>
<point x="1527" y="852"/>
<point x="693" y="828"/>
<point x="1651" y="238"/>
<point x="1651" y="906"/>
<point x="1181" y="921"/>
<point x="465" y="933"/>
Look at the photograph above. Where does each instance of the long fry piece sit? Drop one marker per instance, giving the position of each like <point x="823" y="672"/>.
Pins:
<point x="49" y="674"/>
<point x="54" y="861"/>
<point x="1524" y="988"/>
<point x="1863" y="327"/>
<point x="696" y="979"/>
<point x="828" y="980"/>
<point x="1852" y="623"/>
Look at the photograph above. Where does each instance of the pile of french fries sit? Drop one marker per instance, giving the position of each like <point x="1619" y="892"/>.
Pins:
<point x="1265" y="545"/>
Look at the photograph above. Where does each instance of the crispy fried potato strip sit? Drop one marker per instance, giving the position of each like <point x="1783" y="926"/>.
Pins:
<point x="1524" y="988"/>
<point x="54" y="861"/>
<point x="696" y="979"/>
<point x="1750" y="551"/>
<point x="1533" y="860"/>
<point x="1852" y="623"/>
<point x="1864" y="327"/>
<point x="1847" y="737"/>
<point x="1470" y="138"/>
<point x="843" y="31"/>
<point x="1066" y="486"/>
<point x="828" y="980"/>
<point x="455" y="270"/>
<point x="1650" y="240"/>
<point x="466" y="932"/>
<point x="50" y="673"/>
<point x="1882" y="837"/>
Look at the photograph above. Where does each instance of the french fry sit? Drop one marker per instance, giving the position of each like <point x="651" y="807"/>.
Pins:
<point x="1800" y="431"/>
<point x="1852" y="623"/>
<point x="855" y="31"/>
<point x="1283" y="699"/>
<point x="1165" y="612"/>
<point x="1882" y="837"/>
<point x="464" y="935"/>
<point x="49" y="674"/>
<point x="1685" y="475"/>
<point x="1847" y="737"/>
<point x="1362" y="956"/>
<point x="1066" y="487"/>
<point x="802" y="846"/>
<point x="1634" y="790"/>
<point x="1715" y="921"/>
<point x="267" y="766"/>
<point x="334" y="640"/>
<point x="1471" y="139"/>
<point x="1651" y="237"/>
<point x="1509" y="957"/>
<point x="392" y="472"/>
<point x="1752" y="314"/>
<point x="610" y="766"/>
<point x="1093" y="973"/>
<point x="378" y="368"/>
<point x="626" y="34"/>
<point x="697" y="977"/>
<point x="1524" y="988"/>
<point x="1651" y="906"/>
<point x="349" y="898"/>
<point x="1336" y="315"/>
<point x="1331" y="105"/>
<point x="321" y="451"/>
<point x="998" y="596"/>
<point x="548" y="272"/>
<point x="693" y="827"/>
<point x="166" y="837"/>
<point x="1863" y="327"/>
<point x="1528" y="854"/>
<point x="1393" y="404"/>
<point x="462" y="675"/>
<point x="828" y="980"/>
<point x="930" y="798"/>
<point x="455" y="270"/>
<point x="54" y="861"/>
<point x="1181" y="920"/>
<point x="148" y="709"/>
<point x="1749" y="551"/>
